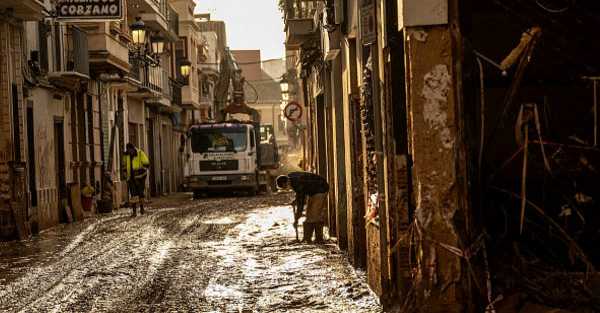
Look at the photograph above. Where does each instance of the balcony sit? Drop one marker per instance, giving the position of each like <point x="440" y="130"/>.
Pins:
<point x="153" y="83"/>
<point x="299" y="23"/>
<point x="108" y="50"/>
<point x="159" y="16"/>
<point x="27" y="10"/>
<point x="210" y="70"/>
<point x="190" y="97"/>
<point x="71" y="62"/>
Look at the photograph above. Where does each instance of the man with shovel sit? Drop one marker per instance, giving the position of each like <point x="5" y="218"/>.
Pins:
<point x="135" y="166"/>
<point x="315" y="188"/>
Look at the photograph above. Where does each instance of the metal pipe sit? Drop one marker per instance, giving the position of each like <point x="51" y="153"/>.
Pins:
<point x="595" y="112"/>
<point x="594" y="80"/>
<point x="490" y="61"/>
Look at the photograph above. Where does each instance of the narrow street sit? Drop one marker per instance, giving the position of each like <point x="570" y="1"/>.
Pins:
<point x="184" y="255"/>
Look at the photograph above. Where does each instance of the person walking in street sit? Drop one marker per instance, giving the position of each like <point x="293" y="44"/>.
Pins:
<point x="135" y="164"/>
<point x="315" y="188"/>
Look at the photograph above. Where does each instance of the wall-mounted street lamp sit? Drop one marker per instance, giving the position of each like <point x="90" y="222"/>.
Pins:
<point x="185" y="68"/>
<point x="139" y="37"/>
<point x="138" y="33"/>
<point x="158" y="45"/>
<point x="284" y="85"/>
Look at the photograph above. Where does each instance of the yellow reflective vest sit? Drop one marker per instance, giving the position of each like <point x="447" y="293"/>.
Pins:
<point x="139" y="161"/>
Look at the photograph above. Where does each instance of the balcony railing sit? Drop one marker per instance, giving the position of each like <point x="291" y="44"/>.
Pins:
<point x="72" y="54"/>
<point x="136" y="70"/>
<point x="151" y="78"/>
<point x="176" y="92"/>
<point x="164" y="8"/>
<point x="299" y="9"/>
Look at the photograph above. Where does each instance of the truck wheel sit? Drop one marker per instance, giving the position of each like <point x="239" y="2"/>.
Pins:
<point x="197" y="195"/>
<point x="252" y="192"/>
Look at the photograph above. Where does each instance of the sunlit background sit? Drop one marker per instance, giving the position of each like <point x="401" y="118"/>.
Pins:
<point x="255" y="24"/>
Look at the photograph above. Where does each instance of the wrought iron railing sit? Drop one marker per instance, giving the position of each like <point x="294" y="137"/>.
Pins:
<point x="176" y="93"/>
<point x="72" y="54"/>
<point x="163" y="8"/>
<point x="150" y="77"/>
<point x="299" y="9"/>
<point x="136" y="67"/>
<point x="165" y="84"/>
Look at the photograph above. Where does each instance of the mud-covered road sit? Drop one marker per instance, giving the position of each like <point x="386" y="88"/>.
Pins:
<point x="211" y="255"/>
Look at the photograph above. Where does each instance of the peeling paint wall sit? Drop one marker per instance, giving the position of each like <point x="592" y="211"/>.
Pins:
<point x="11" y="192"/>
<point x="45" y="110"/>
<point x="435" y="92"/>
<point x="433" y="131"/>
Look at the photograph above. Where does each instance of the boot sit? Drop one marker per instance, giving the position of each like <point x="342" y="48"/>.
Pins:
<point x="319" y="233"/>
<point x="134" y="214"/>
<point x="142" y="209"/>
<point x="307" y="231"/>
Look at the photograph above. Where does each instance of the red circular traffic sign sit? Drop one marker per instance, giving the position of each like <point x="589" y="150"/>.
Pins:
<point x="293" y="111"/>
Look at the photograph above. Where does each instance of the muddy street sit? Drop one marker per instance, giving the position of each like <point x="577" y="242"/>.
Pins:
<point x="211" y="255"/>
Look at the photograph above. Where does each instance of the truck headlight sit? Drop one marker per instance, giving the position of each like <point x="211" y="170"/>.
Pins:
<point x="244" y="178"/>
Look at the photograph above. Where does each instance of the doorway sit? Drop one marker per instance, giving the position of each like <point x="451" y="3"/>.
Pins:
<point x="61" y="179"/>
<point x="31" y="156"/>
<point x="321" y="141"/>
<point x="150" y="152"/>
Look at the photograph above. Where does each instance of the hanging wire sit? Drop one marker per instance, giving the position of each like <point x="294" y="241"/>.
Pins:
<point x="253" y="62"/>
<point x="255" y="92"/>
<point x="552" y="10"/>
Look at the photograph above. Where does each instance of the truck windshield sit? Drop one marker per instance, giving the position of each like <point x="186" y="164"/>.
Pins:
<point x="219" y="140"/>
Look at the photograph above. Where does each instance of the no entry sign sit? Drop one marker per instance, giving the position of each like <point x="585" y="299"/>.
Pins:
<point x="293" y="111"/>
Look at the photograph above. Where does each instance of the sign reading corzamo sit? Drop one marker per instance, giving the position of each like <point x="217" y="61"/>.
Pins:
<point x="90" y="9"/>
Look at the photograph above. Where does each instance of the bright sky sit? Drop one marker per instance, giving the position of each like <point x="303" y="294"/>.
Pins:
<point x="251" y="24"/>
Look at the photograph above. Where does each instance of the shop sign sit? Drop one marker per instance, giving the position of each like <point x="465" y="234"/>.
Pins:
<point x="368" y="23"/>
<point x="89" y="10"/>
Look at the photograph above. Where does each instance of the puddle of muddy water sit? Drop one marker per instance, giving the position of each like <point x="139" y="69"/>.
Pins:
<point x="223" y="255"/>
<point x="265" y="270"/>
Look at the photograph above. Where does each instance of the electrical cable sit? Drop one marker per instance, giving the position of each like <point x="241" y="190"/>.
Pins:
<point x="551" y="10"/>
<point x="255" y="92"/>
<point x="265" y="80"/>
<point x="482" y="112"/>
<point x="255" y="62"/>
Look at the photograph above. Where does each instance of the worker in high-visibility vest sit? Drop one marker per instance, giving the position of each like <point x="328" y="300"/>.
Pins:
<point x="135" y="166"/>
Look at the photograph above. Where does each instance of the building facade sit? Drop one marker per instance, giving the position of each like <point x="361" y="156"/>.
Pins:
<point x="436" y="104"/>
<point x="358" y="87"/>
<point x="73" y="93"/>
<point x="263" y="90"/>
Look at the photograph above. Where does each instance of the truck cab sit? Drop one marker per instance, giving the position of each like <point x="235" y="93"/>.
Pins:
<point x="222" y="156"/>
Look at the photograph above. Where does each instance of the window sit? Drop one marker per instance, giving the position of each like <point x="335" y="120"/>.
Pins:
<point x="219" y="140"/>
<point x="181" y="48"/>
<point x="205" y="88"/>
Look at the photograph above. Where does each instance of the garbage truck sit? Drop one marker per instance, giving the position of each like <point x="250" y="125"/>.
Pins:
<point x="228" y="154"/>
